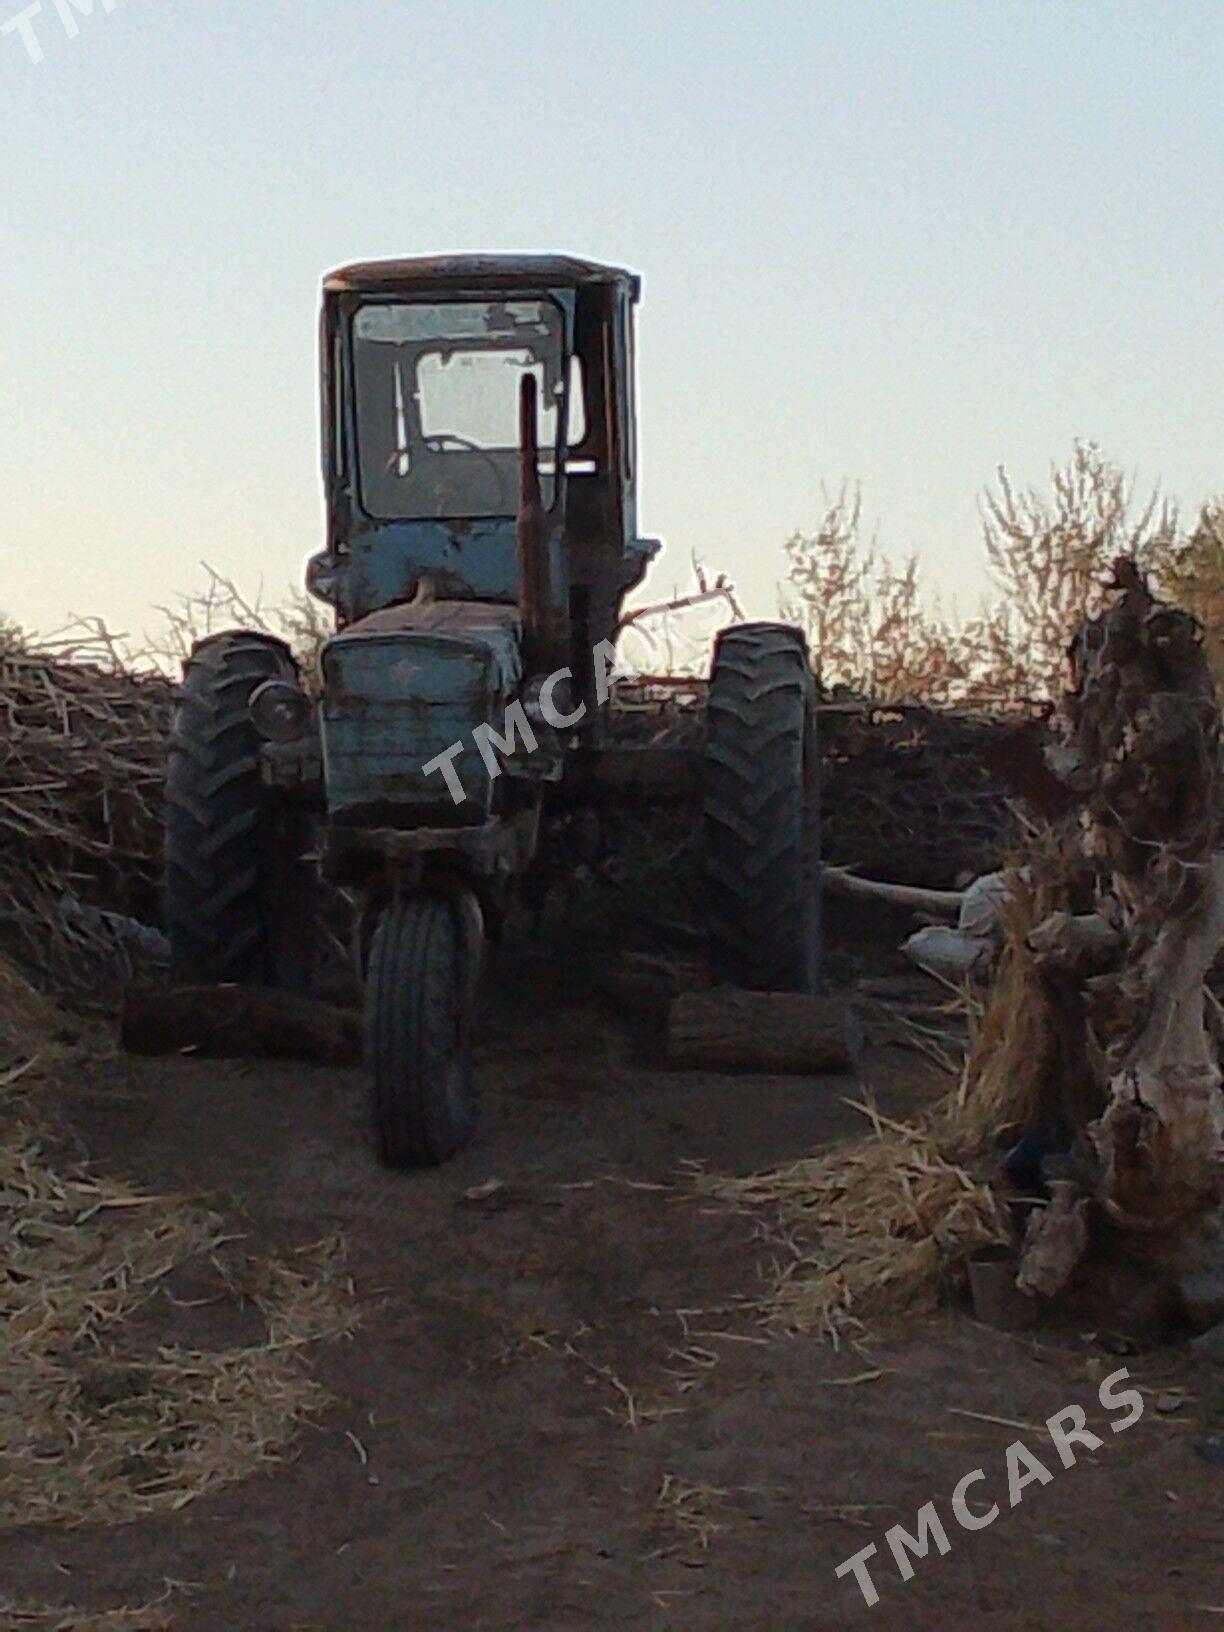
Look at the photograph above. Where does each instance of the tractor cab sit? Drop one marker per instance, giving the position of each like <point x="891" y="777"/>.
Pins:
<point x="427" y="365"/>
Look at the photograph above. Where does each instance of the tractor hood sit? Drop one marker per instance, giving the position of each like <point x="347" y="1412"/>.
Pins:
<point x="403" y="686"/>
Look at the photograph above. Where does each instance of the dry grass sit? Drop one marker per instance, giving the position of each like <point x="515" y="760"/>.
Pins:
<point x="1002" y="1083"/>
<point x="151" y="1618"/>
<point x="103" y="1421"/>
<point x="631" y="1408"/>
<point x="692" y="1513"/>
<point x="32" y="1030"/>
<point x="897" y="1220"/>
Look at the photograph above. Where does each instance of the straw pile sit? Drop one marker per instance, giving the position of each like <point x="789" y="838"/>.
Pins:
<point x="80" y="801"/>
<point x="897" y="1221"/>
<point x="32" y="1029"/>
<point x="1020" y="1063"/>
<point x="104" y="1418"/>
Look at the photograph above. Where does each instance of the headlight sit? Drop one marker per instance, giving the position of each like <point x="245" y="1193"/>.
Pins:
<point x="280" y="711"/>
<point x="548" y="701"/>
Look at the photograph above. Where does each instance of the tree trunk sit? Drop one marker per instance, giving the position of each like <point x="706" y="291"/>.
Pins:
<point x="1141" y="754"/>
<point x="1161" y="1138"/>
<point x="768" y="1032"/>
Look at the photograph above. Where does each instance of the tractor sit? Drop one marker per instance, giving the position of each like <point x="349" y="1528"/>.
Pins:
<point x="480" y="474"/>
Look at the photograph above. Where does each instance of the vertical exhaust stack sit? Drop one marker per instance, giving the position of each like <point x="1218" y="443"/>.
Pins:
<point x="545" y="642"/>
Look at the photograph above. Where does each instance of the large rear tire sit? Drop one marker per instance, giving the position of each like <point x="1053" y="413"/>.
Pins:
<point x="420" y="1000"/>
<point x="239" y="891"/>
<point x="761" y="812"/>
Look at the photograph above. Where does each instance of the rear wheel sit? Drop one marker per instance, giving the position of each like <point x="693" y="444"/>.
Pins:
<point x="420" y="1000"/>
<point x="239" y="891"/>
<point x="761" y="811"/>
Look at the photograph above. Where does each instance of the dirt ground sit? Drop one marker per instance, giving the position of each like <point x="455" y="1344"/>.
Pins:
<point x="518" y="1438"/>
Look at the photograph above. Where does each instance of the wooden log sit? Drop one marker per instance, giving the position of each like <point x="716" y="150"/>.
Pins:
<point x="238" y="1022"/>
<point x="788" y="1033"/>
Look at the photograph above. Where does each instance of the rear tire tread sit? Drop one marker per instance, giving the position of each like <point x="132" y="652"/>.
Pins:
<point x="760" y="816"/>
<point x="233" y="855"/>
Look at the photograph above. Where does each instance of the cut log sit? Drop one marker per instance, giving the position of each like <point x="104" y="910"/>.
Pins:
<point x="238" y="1022"/>
<point x="769" y="1032"/>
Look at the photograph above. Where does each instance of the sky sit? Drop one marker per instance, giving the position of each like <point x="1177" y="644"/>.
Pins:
<point x="895" y="241"/>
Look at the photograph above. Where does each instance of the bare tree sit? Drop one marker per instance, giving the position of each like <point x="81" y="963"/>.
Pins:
<point x="1050" y="553"/>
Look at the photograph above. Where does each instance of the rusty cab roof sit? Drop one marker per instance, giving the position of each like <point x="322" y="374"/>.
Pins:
<point x="429" y="272"/>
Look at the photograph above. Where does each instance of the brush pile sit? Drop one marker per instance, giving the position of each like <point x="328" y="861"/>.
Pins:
<point x="909" y="794"/>
<point x="1100" y="1035"/>
<point x="920" y="795"/>
<point x="80" y="804"/>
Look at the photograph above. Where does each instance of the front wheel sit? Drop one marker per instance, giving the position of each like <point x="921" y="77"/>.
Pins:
<point x="419" y="1011"/>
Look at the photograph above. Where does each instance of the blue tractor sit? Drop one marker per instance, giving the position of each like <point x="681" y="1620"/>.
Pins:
<point x="480" y="465"/>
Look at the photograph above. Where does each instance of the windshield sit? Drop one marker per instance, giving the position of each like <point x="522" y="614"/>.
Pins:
<point x="438" y="404"/>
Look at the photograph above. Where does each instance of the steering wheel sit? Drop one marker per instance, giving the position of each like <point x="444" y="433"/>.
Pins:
<point x="436" y="444"/>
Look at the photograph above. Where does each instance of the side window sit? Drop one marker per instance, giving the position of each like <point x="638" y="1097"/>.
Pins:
<point x="628" y="394"/>
<point x="401" y="459"/>
<point x="338" y="440"/>
<point x="576" y="416"/>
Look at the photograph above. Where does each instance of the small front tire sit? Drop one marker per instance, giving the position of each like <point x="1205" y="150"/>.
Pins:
<point x="419" y="1014"/>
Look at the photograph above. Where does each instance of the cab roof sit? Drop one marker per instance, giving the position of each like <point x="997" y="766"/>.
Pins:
<point x="466" y="271"/>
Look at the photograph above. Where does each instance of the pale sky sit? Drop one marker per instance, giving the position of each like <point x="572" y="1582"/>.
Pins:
<point x="896" y="241"/>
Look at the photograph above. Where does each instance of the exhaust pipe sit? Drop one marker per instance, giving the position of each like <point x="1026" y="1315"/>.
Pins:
<point x="544" y="640"/>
